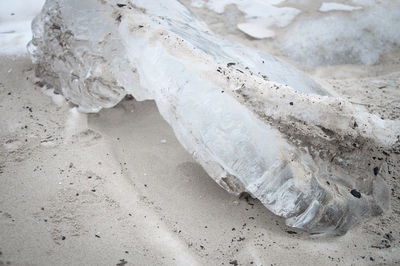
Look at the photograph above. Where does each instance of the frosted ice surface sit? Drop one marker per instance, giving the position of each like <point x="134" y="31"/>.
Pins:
<point x="332" y="6"/>
<point x="255" y="123"/>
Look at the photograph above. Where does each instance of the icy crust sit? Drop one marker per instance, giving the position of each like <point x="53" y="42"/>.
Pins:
<point x="253" y="122"/>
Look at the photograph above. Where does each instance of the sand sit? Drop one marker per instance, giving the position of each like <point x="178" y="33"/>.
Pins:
<point x="116" y="187"/>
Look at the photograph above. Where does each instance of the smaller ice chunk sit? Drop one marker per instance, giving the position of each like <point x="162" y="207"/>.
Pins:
<point x="255" y="30"/>
<point x="332" y="6"/>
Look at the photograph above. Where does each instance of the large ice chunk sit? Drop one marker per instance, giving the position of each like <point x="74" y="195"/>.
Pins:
<point x="255" y="123"/>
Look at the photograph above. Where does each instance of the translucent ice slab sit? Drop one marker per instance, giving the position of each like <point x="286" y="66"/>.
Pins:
<point x="255" y="123"/>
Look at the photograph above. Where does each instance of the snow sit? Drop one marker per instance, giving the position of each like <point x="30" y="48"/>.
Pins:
<point x="15" y="24"/>
<point x="260" y="15"/>
<point x="255" y="30"/>
<point x="331" y="6"/>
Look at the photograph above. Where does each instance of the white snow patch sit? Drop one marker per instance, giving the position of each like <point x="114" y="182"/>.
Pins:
<point x="15" y="24"/>
<point x="260" y="15"/>
<point x="332" y="6"/>
<point x="255" y="30"/>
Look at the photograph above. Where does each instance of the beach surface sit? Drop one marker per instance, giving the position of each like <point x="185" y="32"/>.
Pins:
<point x="117" y="188"/>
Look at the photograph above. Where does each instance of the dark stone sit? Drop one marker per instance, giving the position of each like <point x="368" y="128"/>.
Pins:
<point x="355" y="193"/>
<point x="122" y="262"/>
<point x="129" y="97"/>
<point x="389" y="236"/>
<point x="376" y="170"/>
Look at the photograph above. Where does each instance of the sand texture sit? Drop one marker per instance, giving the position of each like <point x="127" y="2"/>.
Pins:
<point x="116" y="187"/>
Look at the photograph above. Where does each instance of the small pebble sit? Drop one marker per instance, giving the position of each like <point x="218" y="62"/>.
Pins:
<point x="376" y="171"/>
<point x="355" y="193"/>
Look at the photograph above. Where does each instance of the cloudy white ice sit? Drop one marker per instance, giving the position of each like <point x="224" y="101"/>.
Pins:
<point x="228" y="104"/>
